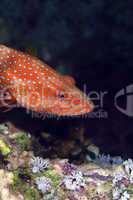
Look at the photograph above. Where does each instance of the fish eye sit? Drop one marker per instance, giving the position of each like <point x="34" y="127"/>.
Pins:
<point x="61" y="96"/>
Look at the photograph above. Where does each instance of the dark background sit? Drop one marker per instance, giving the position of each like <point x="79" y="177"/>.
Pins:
<point x="92" y="40"/>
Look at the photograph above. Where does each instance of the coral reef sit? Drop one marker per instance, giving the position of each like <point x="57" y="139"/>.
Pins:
<point x="27" y="176"/>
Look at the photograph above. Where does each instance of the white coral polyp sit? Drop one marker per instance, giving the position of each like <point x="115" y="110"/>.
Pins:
<point x="118" y="177"/>
<point x="128" y="164"/>
<point x="74" y="181"/>
<point x="38" y="164"/>
<point x="43" y="184"/>
<point x="125" y="196"/>
<point x="116" y="193"/>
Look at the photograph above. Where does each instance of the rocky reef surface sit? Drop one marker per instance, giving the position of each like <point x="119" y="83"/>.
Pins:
<point x="30" y="170"/>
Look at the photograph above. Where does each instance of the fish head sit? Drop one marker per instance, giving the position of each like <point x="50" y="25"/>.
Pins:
<point x="68" y="100"/>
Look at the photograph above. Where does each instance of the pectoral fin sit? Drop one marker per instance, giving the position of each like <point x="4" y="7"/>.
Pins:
<point x="7" y="102"/>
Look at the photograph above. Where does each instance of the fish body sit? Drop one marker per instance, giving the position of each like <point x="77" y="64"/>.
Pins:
<point x="34" y="85"/>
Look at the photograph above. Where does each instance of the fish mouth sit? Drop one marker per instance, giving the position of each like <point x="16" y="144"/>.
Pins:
<point x="75" y="111"/>
<point x="79" y="112"/>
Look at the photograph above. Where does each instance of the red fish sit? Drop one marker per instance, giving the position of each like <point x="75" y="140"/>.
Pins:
<point x="34" y="85"/>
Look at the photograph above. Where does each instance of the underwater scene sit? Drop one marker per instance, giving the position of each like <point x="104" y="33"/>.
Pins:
<point x="66" y="100"/>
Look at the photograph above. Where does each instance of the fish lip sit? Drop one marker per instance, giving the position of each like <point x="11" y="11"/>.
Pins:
<point x="81" y="114"/>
